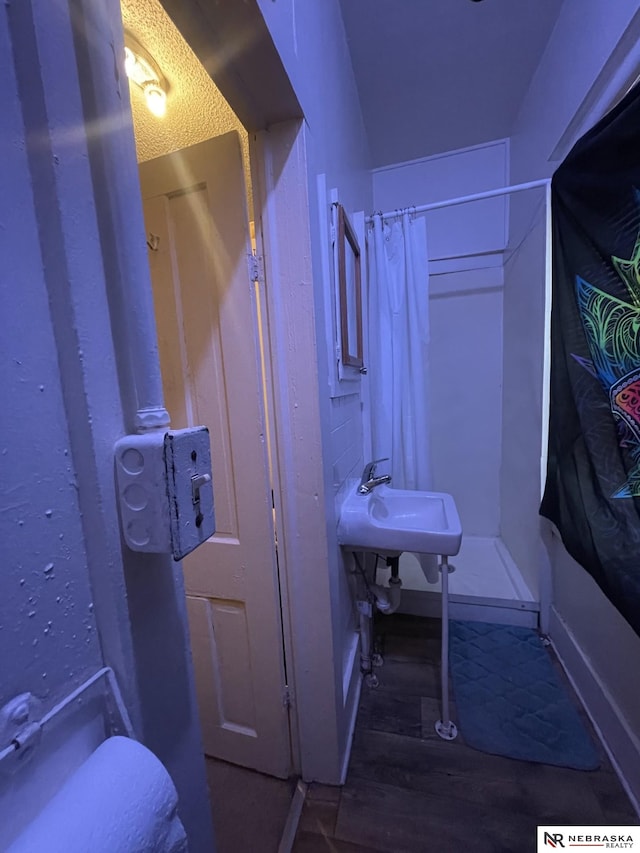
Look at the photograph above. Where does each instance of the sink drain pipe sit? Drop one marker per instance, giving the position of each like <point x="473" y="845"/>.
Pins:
<point x="365" y="612"/>
<point x="387" y="600"/>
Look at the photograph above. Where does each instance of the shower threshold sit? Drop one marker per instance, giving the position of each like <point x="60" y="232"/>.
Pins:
<point x="486" y="586"/>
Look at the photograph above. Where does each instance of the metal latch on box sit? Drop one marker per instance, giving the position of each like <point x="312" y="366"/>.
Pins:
<point x="197" y="482"/>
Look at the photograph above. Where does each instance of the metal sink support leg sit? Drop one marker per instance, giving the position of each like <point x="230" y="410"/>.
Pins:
<point x="445" y="727"/>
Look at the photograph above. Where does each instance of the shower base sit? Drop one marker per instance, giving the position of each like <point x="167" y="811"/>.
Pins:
<point x="486" y="586"/>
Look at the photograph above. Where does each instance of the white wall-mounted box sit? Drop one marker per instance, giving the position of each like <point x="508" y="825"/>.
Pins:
<point x="165" y="490"/>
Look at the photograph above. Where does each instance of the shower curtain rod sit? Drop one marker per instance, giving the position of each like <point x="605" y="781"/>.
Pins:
<point x="450" y="202"/>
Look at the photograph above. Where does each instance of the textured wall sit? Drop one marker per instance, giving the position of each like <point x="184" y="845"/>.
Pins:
<point x="195" y="108"/>
<point x="48" y="633"/>
<point x="48" y="636"/>
<point x="64" y="607"/>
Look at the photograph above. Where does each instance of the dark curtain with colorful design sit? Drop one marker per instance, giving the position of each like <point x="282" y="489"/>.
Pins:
<point x="593" y="478"/>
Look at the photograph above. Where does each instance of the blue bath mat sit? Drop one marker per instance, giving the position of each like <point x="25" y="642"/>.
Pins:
<point x="510" y="700"/>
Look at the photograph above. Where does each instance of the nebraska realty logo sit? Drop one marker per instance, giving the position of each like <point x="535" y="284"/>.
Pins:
<point x="603" y="837"/>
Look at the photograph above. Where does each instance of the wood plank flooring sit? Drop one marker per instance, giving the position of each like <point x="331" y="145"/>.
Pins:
<point x="408" y="791"/>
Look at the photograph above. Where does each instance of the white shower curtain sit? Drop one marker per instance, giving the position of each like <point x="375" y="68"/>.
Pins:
<point x="398" y="320"/>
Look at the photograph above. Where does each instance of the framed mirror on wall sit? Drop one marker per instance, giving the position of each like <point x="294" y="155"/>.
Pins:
<point x="349" y="292"/>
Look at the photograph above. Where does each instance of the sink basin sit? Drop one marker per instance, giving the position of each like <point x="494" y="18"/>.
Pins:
<point x="395" y="520"/>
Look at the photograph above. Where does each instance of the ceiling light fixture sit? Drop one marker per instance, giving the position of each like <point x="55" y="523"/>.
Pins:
<point x="142" y="70"/>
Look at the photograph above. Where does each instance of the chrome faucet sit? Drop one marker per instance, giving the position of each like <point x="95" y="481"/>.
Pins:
<point x="369" y="481"/>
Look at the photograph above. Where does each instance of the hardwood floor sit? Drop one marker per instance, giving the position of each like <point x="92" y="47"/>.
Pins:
<point x="408" y="791"/>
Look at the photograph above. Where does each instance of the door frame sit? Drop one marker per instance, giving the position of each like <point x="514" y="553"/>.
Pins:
<point x="281" y="204"/>
<point x="260" y="93"/>
<point x="257" y="87"/>
<point x="264" y="326"/>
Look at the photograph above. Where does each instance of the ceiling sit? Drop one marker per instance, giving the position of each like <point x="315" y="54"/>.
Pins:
<point x="436" y="75"/>
<point x="195" y="108"/>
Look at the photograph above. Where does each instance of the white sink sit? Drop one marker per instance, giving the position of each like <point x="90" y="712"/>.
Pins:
<point x="395" y="520"/>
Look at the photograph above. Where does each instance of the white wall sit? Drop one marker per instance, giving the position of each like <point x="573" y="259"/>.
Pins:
<point x="584" y="628"/>
<point x="577" y="58"/>
<point x="65" y="396"/>
<point x="584" y="38"/>
<point x="465" y="373"/>
<point x="522" y="370"/>
<point x="49" y="640"/>
<point x="465" y="250"/>
<point x="311" y="41"/>
<point x="469" y="229"/>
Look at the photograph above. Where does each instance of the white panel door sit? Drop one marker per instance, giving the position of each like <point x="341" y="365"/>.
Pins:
<point x="198" y="236"/>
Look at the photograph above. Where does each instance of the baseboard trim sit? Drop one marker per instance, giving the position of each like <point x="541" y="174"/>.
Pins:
<point x="355" y="687"/>
<point x="352" y="659"/>
<point x="472" y="608"/>
<point x="620" y="742"/>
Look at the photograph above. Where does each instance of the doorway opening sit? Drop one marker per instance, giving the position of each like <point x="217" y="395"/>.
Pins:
<point x="212" y="319"/>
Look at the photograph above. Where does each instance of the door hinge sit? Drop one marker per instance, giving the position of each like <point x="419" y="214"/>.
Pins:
<point x="286" y="697"/>
<point x="256" y="268"/>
